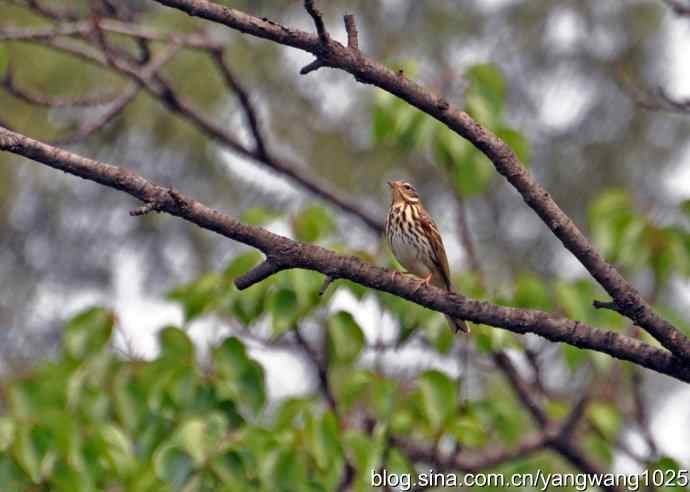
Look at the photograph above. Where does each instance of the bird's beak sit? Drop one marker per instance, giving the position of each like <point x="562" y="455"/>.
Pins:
<point x="392" y="184"/>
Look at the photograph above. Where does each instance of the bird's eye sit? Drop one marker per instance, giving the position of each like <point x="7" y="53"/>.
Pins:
<point x="407" y="186"/>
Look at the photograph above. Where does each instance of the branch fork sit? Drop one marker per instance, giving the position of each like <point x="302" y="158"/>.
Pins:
<point x="260" y="272"/>
<point x="325" y="41"/>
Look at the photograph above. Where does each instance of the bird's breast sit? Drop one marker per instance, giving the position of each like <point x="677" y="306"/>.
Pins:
<point x="409" y="249"/>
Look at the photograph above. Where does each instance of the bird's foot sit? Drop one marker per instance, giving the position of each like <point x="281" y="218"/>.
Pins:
<point x="423" y="282"/>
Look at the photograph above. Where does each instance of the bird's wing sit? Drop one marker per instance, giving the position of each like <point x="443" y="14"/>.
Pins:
<point x="440" y="259"/>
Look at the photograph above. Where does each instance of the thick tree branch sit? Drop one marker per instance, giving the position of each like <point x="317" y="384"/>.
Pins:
<point x="286" y="253"/>
<point x="506" y="162"/>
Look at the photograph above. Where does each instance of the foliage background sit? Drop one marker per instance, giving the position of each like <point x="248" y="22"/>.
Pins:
<point x="555" y="79"/>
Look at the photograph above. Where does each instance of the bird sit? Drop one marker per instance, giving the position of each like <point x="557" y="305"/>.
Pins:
<point x="415" y="241"/>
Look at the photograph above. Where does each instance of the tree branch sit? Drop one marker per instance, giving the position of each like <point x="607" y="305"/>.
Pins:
<point x="321" y="368"/>
<point x="38" y="99"/>
<point x="505" y="161"/>
<point x="243" y="96"/>
<point x="678" y="7"/>
<point x="258" y="273"/>
<point x="293" y="254"/>
<point x="162" y="90"/>
<point x="476" y="461"/>
<point x="521" y="388"/>
<point x="318" y="21"/>
<point x="467" y="242"/>
<point x="352" y="34"/>
<point x="558" y="436"/>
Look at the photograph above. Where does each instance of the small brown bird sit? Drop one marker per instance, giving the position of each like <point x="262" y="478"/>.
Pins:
<point x="416" y="242"/>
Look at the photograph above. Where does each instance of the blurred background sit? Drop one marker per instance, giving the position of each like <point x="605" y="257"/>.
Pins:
<point x="589" y="93"/>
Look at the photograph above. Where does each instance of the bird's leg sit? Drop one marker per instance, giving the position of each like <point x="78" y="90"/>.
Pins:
<point x="424" y="281"/>
<point x="396" y="274"/>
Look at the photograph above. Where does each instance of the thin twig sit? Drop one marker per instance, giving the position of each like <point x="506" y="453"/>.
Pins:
<point x="38" y="99"/>
<point x="326" y="283"/>
<point x="243" y="96"/>
<point x="352" y="34"/>
<point x="147" y="73"/>
<point x="468" y="243"/>
<point x="321" y="368"/>
<point x="162" y="90"/>
<point x="318" y="21"/>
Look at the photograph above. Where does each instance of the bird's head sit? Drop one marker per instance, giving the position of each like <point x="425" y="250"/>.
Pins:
<point x="403" y="191"/>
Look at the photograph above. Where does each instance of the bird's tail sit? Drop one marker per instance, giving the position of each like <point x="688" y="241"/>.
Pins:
<point x="458" y="325"/>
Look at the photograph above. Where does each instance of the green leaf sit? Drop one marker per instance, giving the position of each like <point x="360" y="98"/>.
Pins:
<point x="669" y="253"/>
<point x="173" y="465"/>
<point x="313" y="223"/>
<point x="128" y="399"/>
<point x="230" y="469"/>
<point x="385" y="394"/>
<point x="292" y="411"/>
<point x="345" y="337"/>
<point x="399" y="464"/>
<point x="88" y="332"/>
<point x="574" y="357"/>
<point x="439" y="333"/>
<point x="486" y="93"/>
<point x="306" y="285"/>
<point x="366" y="450"/>
<point x="281" y="467"/>
<point x="439" y="398"/>
<point x="531" y="292"/>
<point x="616" y="229"/>
<point x="350" y="384"/>
<point x="7" y="429"/>
<point x="606" y="418"/>
<point x="283" y="307"/>
<point x="325" y="443"/>
<point x="175" y="344"/>
<point x="383" y="119"/>
<point x="575" y="298"/>
<point x="259" y="216"/>
<point x="117" y="449"/>
<point x="516" y="141"/>
<point x="473" y="174"/>
<point x="450" y="148"/>
<point x="192" y="439"/>
<point x="241" y="264"/>
<point x="4" y="60"/>
<point x="250" y="304"/>
<point x="200" y="296"/>
<point x="238" y="377"/>
<point x="468" y="431"/>
<point x="685" y="207"/>
<point x="26" y="454"/>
